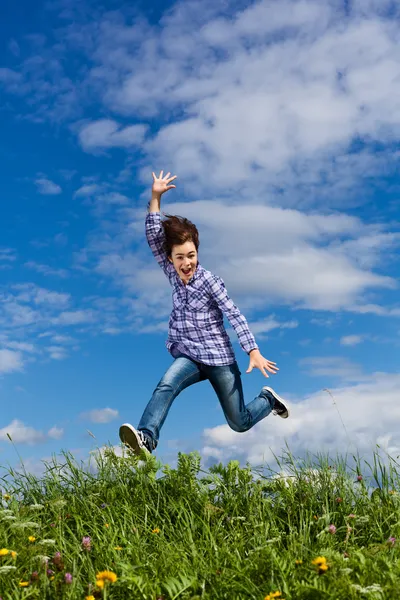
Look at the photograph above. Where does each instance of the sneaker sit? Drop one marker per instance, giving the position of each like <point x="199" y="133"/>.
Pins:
<point x="134" y="439"/>
<point x="280" y="407"/>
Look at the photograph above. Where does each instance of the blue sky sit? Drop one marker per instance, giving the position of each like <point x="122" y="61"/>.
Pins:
<point x="281" y="120"/>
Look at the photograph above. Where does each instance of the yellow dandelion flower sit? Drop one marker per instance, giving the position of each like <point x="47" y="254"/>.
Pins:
<point x="6" y="496"/>
<point x="90" y="598"/>
<point x="118" y="548"/>
<point x="100" y="584"/>
<point x="4" y="552"/>
<point x="23" y="583"/>
<point x="298" y="562"/>
<point x="106" y="576"/>
<point x="106" y="525"/>
<point x="272" y="595"/>
<point x="323" y="568"/>
<point x="320" y="560"/>
<point x="13" y="554"/>
<point x="31" y="539"/>
<point x="155" y="530"/>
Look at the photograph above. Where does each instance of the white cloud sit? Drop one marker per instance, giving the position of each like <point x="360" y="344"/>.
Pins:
<point x="10" y="79"/>
<point x="106" y="133"/>
<point x="101" y="415"/>
<point x="74" y="317"/>
<point x="99" y="197"/>
<point x="113" y="198"/>
<point x="331" y="366"/>
<point x="47" y="187"/>
<point x="10" y="361"/>
<point x="21" y="346"/>
<point x="62" y="339"/>
<point x="315" y="426"/>
<point x="268" y="96"/>
<point x="7" y="255"/>
<point x="351" y="340"/>
<point x="260" y="328"/>
<point x="31" y="293"/>
<point x="57" y="352"/>
<point x="46" y="269"/>
<point x="55" y="433"/>
<point x="24" y="434"/>
<point x="88" y="189"/>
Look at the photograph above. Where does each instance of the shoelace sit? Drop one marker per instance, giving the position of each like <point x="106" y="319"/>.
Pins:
<point x="143" y="439"/>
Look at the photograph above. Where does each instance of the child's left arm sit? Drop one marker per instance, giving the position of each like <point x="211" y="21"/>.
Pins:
<point x="240" y="325"/>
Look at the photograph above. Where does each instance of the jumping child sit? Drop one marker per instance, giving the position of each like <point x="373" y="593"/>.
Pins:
<point x="197" y="338"/>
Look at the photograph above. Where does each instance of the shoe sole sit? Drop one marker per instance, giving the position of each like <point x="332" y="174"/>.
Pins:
<point x="130" y="438"/>
<point x="273" y="392"/>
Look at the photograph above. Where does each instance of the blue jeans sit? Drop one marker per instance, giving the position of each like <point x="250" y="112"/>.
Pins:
<point x="227" y="383"/>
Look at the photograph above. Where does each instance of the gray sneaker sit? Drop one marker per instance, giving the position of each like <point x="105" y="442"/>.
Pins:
<point x="134" y="439"/>
<point x="280" y="407"/>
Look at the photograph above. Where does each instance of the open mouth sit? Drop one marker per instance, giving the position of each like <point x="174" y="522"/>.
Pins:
<point x="187" y="271"/>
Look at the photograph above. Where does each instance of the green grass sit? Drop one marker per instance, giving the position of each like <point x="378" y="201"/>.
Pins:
<point x="181" y="533"/>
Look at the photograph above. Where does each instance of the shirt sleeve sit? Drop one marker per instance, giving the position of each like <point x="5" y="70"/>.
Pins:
<point x="155" y="239"/>
<point x="220" y="295"/>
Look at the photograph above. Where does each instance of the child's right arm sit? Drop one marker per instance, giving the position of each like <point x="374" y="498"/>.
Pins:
<point x="154" y="229"/>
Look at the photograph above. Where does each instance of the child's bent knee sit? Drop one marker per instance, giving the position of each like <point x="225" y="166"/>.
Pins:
<point x="238" y="427"/>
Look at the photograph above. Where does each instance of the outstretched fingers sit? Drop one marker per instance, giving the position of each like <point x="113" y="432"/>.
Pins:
<point x="272" y="368"/>
<point x="166" y="178"/>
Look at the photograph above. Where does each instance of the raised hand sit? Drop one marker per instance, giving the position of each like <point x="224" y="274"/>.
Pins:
<point x="259" y="362"/>
<point x="162" y="183"/>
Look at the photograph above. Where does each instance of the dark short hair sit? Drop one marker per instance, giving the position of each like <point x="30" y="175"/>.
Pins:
<point x="177" y="231"/>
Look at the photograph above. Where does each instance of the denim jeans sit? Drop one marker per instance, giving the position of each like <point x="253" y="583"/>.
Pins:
<point x="227" y="383"/>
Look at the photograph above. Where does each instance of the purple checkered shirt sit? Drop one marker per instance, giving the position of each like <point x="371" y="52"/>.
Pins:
<point x="196" y="324"/>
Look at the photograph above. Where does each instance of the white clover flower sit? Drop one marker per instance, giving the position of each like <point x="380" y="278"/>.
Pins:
<point x="7" y="568"/>
<point x="60" y="502"/>
<point x="362" y="519"/>
<point x="26" y="524"/>
<point x="375" y="588"/>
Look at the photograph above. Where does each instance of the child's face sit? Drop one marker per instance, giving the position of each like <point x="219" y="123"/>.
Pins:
<point x="184" y="259"/>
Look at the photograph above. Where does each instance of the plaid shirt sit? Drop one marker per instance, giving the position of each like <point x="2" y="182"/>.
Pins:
<point x="196" y="326"/>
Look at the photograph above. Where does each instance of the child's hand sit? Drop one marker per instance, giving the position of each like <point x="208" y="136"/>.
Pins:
<point x="257" y="360"/>
<point x="161" y="184"/>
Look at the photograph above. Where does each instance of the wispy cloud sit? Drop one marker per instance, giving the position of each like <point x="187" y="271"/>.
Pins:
<point x="46" y="269"/>
<point x="7" y="255"/>
<point x="47" y="187"/>
<point x="264" y="326"/>
<point x="106" y="133"/>
<point x="10" y="361"/>
<point x="351" y="340"/>
<point x="337" y="367"/>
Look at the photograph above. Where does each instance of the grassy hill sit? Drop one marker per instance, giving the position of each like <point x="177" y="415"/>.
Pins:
<point x="139" y="530"/>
